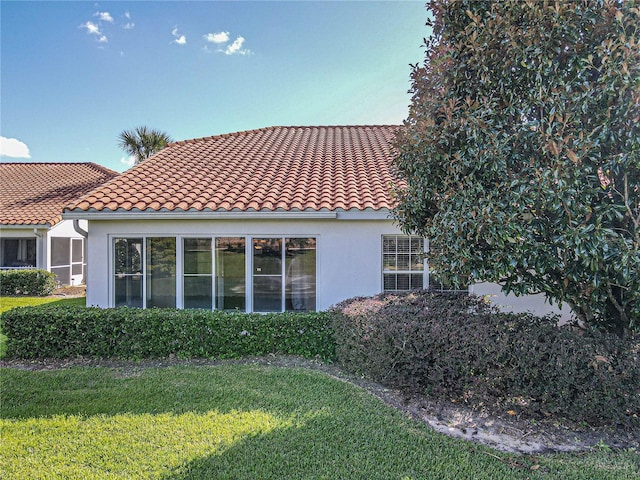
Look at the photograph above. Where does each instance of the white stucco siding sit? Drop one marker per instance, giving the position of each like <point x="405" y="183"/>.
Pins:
<point x="349" y="256"/>
<point x="349" y="261"/>
<point x="536" y="304"/>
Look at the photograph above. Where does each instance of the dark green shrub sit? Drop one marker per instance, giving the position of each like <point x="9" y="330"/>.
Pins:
<point x="34" y="283"/>
<point x="61" y="332"/>
<point x="458" y="347"/>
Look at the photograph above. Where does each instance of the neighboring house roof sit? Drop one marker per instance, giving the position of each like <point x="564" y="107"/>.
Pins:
<point x="270" y="169"/>
<point x="36" y="193"/>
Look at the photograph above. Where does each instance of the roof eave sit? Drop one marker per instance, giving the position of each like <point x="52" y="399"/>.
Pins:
<point x="23" y="226"/>
<point x="353" y="214"/>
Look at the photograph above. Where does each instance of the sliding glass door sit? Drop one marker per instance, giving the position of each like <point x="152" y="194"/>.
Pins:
<point x="284" y="274"/>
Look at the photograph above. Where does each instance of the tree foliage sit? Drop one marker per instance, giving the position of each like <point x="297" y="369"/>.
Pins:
<point x="521" y="151"/>
<point x="142" y="142"/>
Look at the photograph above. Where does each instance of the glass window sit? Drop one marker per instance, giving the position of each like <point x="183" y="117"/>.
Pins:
<point x="300" y="292"/>
<point x="402" y="262"/>
<point x="18" y="252"/>
<point x="231" y="273"/>
<point x="161" y="272"/>
<point x="297" y="274"/>
<point x="128" y="272"/>
<point x="267" y="274"/>
<point x="198" y="279"/>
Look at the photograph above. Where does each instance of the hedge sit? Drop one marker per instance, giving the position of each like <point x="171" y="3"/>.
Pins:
<point x="131" y="333"/>
<point x="34" y="283"/>
<point x="460" y="349"/>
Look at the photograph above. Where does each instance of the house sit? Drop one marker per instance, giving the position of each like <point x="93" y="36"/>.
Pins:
<point x="274" y="219"/>
<point x="32" y="231"/>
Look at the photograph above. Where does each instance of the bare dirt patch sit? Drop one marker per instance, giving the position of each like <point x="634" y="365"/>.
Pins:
<point x="70" y="292"/>
<point x="505" y="432"/>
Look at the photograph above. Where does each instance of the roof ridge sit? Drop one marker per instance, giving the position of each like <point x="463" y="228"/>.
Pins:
<point x="275" y="127"/>
<point x="95" y="165"/>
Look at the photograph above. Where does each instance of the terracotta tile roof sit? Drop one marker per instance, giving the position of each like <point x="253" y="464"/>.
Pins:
<point x="36" y="193"/>
<point x="276" y="168"/>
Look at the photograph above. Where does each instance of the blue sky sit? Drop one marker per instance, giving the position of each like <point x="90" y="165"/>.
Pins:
<point x="75" y="74"/>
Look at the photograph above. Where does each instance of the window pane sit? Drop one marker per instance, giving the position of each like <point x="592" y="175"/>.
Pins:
<point x="161" y="272"/>
<point x="267" y="256"/>
<point x="417" y="262"/>
<point x="63" y="274"/>
<point x="300" y="274"/>
<point x="18" y="252"/>
<point x="389" y="244"/>
<point x="267" y="293"/>
<point x="230" y="273"/>
<point x="403" y="262"/>
<point x="389" y="261"/>
<point x="417" y="280"/>
<point x="403" y="244"/>
<point x="197" y="292"/>
<point x="128" y="255"/>
<point x="389" y="281"/>
<point x="76" y="250"/>
<point x="60" y="254"/>
<point x="403" y="281"/>
<point x="197" y="255"/>
<point x="128" y="289"/>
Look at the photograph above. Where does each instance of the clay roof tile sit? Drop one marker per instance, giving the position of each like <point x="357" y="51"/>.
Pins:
<point x="275" y="168"/>
<point x="37" y="193"/>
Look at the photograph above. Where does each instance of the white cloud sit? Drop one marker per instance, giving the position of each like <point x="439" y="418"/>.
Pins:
<point x="220" y="37"/>
<point x="104" y="16"/>
<point x="179" y="39"/>
<point x="236" y="48"/>
<point x="12" y="147"/>
<point x="128" y="162"/>
<point x="93" y="29"/>
<point x="129" y="24"/>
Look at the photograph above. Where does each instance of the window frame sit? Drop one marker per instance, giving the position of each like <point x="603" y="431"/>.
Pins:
<point x="180" y="266"/>
<point x="410" y="271"/>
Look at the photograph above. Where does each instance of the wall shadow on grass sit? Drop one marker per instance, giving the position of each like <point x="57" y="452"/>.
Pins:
<point x="326" y="447"/>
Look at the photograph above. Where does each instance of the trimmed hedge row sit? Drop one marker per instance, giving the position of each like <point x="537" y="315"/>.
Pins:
<point x="131" y="333"/>
<point x="460" y="348"/>
<point x="34" y="283"/>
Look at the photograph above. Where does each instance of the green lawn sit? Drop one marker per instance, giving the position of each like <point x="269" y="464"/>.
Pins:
<point x="7" y="303"/>
<point x="241" y="422"/>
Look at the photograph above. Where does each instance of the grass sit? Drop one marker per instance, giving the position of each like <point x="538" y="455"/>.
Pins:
<point x="241" y="422"/>
<point x="7" y="303"/>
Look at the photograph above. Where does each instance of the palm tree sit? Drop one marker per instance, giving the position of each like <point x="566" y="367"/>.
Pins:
<point x="142" y="142"/>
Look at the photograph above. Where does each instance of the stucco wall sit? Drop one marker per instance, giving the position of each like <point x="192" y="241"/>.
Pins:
<point x="528" y="303"/>
<point x="349" y="255"/>
<point x="349" y="260"/>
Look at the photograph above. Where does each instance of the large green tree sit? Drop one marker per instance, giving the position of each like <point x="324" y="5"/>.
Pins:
<point x="142" y="142"/>
<point x="521" y="152"/>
